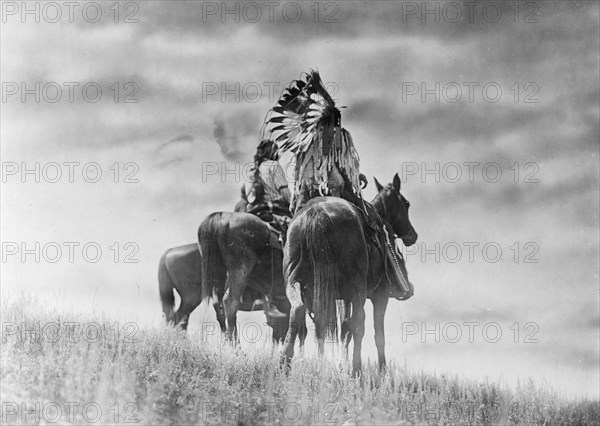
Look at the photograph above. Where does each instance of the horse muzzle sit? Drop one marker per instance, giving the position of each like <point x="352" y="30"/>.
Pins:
<point x="410" y="239"/>
<point x="408" y="293"/>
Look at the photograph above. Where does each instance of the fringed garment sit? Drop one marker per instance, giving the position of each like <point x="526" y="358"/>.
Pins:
<point x="306" y="122"/>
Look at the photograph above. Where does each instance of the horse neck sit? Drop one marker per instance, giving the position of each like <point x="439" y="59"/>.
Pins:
<point x="378" y="204"/>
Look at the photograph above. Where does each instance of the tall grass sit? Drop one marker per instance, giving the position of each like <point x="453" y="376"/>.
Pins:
<point x="162" y="376"/>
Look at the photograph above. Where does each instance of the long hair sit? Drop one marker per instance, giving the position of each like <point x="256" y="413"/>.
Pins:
<point x="266" y="150"/>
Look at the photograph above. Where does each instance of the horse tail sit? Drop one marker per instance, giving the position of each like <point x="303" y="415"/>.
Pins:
<point x="214" y="271"/>
<point x="324" y="256"/>
<point x="166" y="288"/>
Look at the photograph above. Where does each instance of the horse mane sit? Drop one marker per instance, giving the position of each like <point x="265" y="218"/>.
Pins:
<point x="379" y="204"/>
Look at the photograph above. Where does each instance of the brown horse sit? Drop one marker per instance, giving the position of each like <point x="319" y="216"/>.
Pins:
<point x="327" y="257"/>
<point x="180" y="269"/>
<point x="241" y="253"/>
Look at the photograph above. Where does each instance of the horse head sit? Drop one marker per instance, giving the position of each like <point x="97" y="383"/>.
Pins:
<point x="393" y="208"/>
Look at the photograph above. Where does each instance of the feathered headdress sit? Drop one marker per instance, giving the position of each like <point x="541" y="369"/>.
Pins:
<point x="306" y="122"/>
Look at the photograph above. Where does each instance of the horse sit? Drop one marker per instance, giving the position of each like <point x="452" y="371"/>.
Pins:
<point x="180" y="269"/>
<point x="240" y="253"/>
<point x="327" y="257"/>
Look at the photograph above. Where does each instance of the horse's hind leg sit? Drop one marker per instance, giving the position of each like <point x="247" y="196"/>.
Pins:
<point x="182" y="315"/>
<point x="302" y="333"/>
<point x="218" y="305"/>
<point x="297" y="321"/>
<point x="166" y="287"/>
<point x="346" y="329"/>
<point x="237" y="280"/>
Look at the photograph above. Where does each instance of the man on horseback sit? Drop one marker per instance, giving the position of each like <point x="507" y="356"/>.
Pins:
<point x="266" y="193"/>
<point x="309" y="124"/>
<point x="267" y="196"/>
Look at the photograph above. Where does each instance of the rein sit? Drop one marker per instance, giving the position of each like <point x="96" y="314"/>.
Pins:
<point x="379" y="201"/>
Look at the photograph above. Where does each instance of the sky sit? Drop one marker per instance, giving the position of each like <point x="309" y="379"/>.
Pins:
<point x="490" y="115"/>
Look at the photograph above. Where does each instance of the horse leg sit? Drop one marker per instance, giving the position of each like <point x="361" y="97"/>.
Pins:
<point x="321" y="346"/>
<point x="380" y="302"/>
<point x="358" y="331"/>
<point x="346" y="331"/>
<point x="297" y="321"/>
<point x="218" y="306"/>
<point x="182" y="315"/>
<point x="166" y="288"/>
<point x="236" y="284"/>
<point x="302" y="333"/>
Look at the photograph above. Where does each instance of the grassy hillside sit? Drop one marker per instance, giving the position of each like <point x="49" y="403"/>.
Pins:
<point x="59" y="369"/>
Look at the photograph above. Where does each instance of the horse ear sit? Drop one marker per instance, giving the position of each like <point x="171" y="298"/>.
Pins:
<point x="377" y="184"/>
<point x="396" y="182"/>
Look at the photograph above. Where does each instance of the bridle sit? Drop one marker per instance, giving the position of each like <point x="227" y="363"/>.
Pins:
<point x="395" y="219"/>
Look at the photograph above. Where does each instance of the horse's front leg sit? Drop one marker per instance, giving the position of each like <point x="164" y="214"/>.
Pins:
<point x="357" y="321"/>
<point x="380" y="302"/>
<point x="297" y="321"/>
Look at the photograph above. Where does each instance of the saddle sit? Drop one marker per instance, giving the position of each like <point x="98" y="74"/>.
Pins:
<point x="276" y="215"/>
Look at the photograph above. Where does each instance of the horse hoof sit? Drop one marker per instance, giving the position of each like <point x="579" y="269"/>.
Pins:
<point x="285" y="363"/>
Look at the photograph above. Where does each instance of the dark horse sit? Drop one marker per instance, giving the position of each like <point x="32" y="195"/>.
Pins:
<point x="241" y="253"/>
<point x="327" y="257"/>
<point x="180" y="269"/>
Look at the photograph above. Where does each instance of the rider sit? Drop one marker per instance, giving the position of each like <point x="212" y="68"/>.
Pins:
<point x="267" y="196"/>
<point x="327" y="162"/>
<point x="267" y="193"/>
